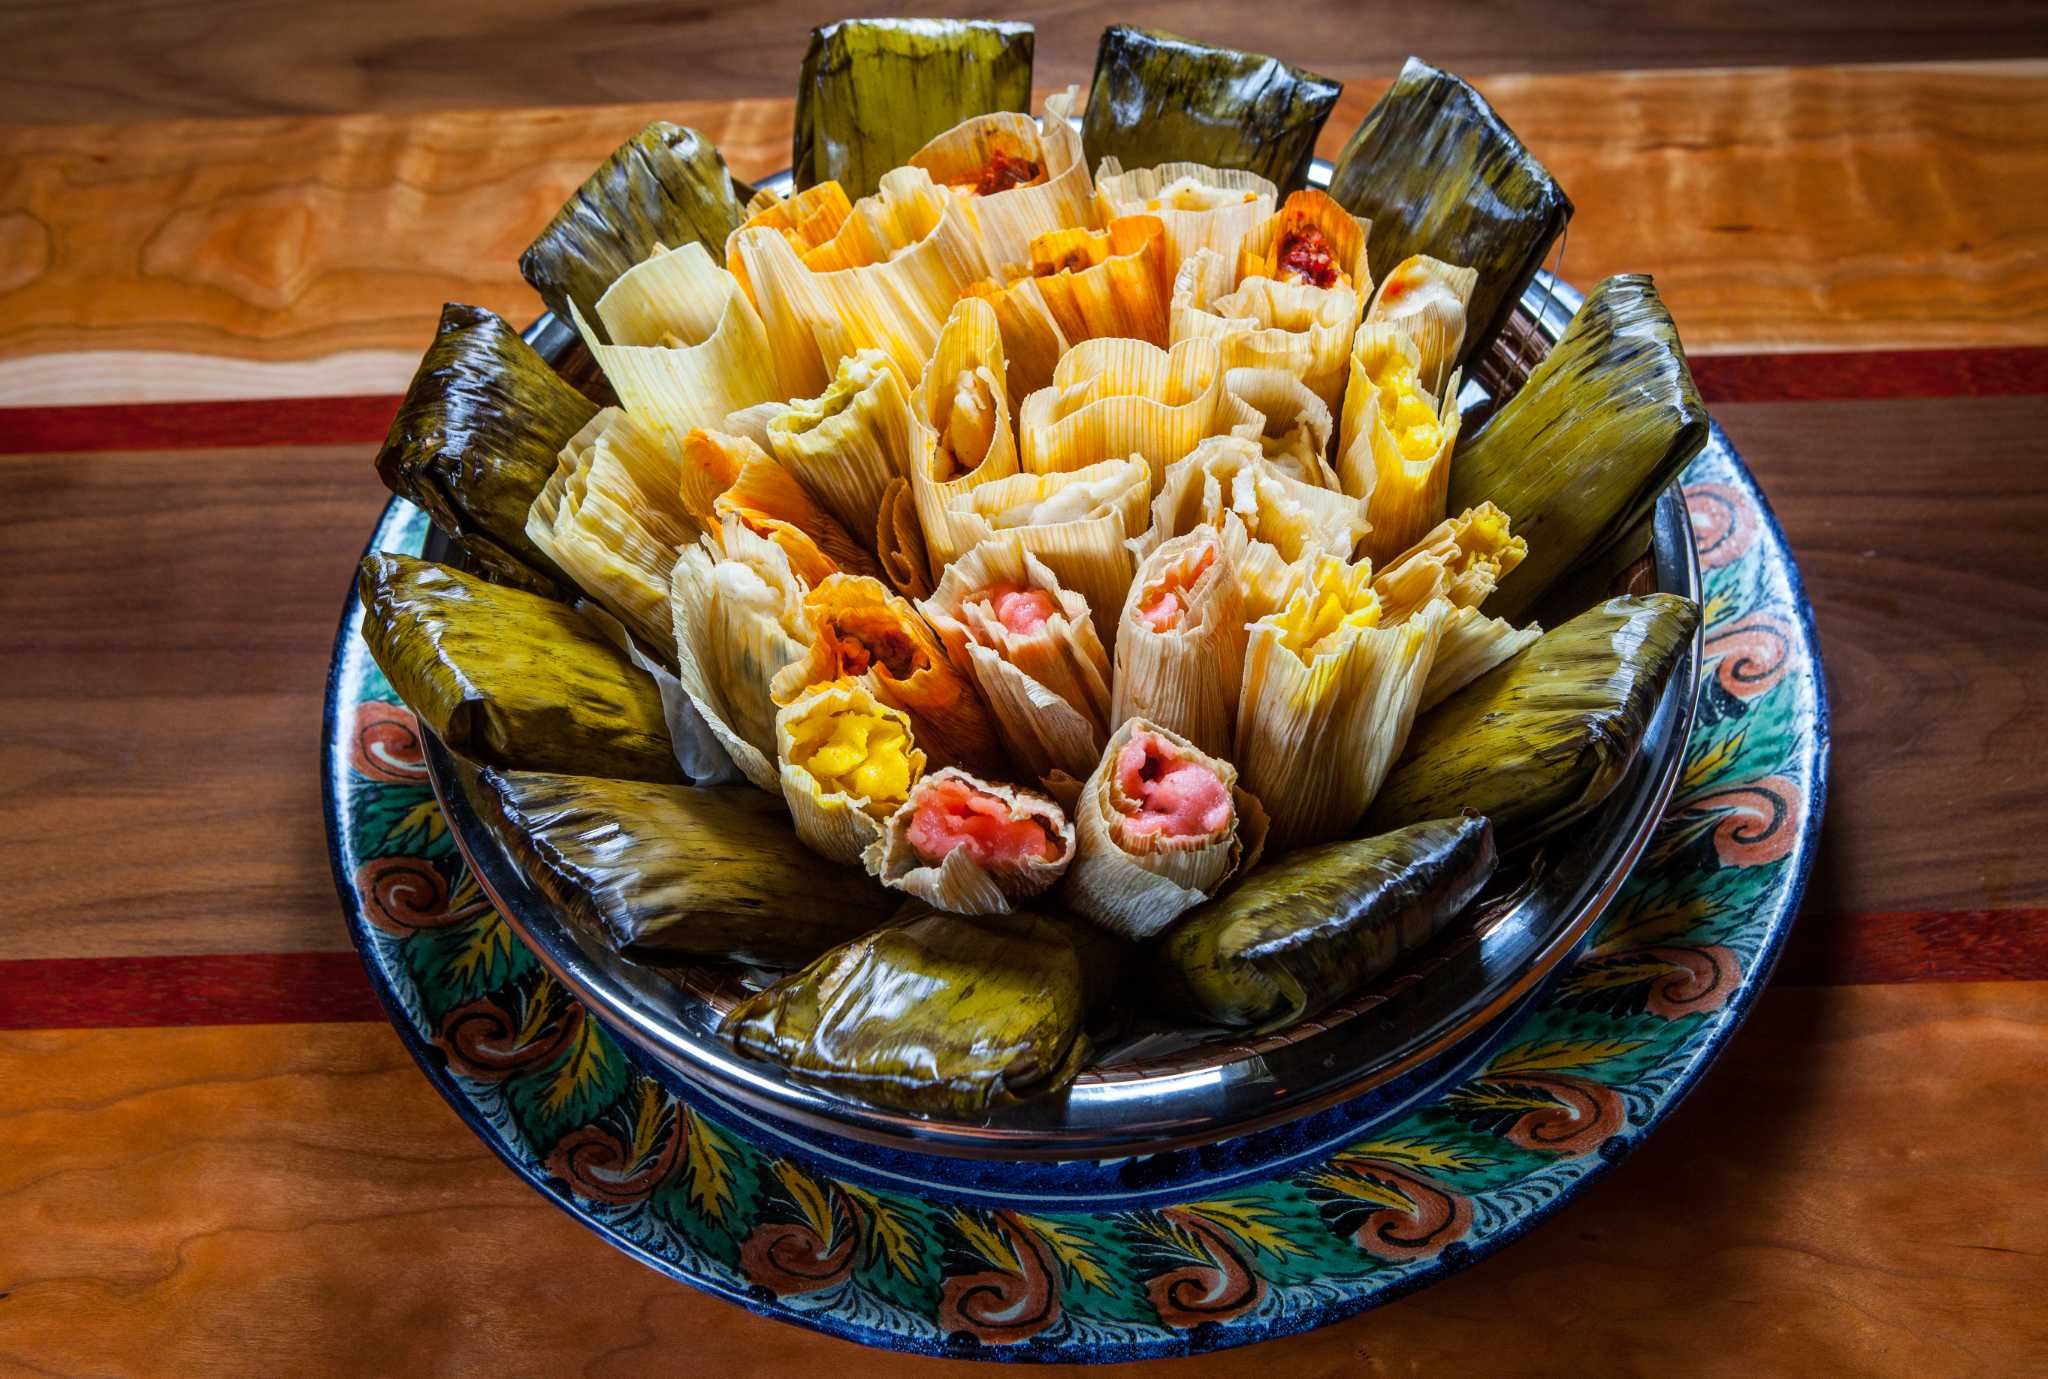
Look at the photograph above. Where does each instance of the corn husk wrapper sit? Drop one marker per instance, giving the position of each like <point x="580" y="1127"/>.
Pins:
<point x="752" y="422"/>
<point x="665" y="185"/>
<point x="808" y="219"/>
<point x="1394" y="450"/>
<point x="1201" y="207"/>
<point x="1095" y="283"/>
<point x="612" y="517"/>
<point x="1297" y="425"/>
<point x="687" y="347"/>
<point x="736" y="610"/>
<point x="1260" y="323"/>
<point x="1264" y="251"/>
<point x="1285" y="520"/>
<point x="1007" y="221"/>
<point x="510" y="678"/>
<point x="729" y="476"/>
<point x="846" y="444"/>
<point x="887" y="281"/>
<point x="1461" y="559"/>
<point x="834" y="822"/>
<point x="1186" y="677"/>
<point x="961" y="436"/>
<point x="1078" y="523"/>
<point x="1328" y="699"/>
<point x="1471" y="645"/>
<point x="1157" y="95"/>
<point x="1135" y="884"/>
<point x="899" y="542"/>
<point x="1032" y="341"/>
<point x="859" y="627"/>
<point x="1113" y="398"/>
<point x="1546" y="736"/>
<point x="1579" y="454"/>
<point x="1426" y="300"/>
<point x="1049" y="689"/>
<point x="956" y="882"/>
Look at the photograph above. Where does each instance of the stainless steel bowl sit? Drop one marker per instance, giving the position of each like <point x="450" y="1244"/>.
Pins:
<point x="1204" y="1089"/>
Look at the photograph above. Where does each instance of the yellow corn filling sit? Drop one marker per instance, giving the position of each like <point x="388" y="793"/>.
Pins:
<point x="852" y="752"/>
<point x="1337" y="598"/>
<point x="1405" y="410"/>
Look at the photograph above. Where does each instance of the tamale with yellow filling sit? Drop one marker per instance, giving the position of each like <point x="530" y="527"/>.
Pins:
<point x="1427" y="301"/>
<point x="848" y="762"/>
<point x="475" y="439"/>
<point x="666" y="185"/>
<point x="1578" y="456"/>
<point x="509" y="678"/>
<point x="679" y="871"/>
<point x="1395" y="444"/>
<point x="1542" y="739"/>
<point x="1156" y="96"/>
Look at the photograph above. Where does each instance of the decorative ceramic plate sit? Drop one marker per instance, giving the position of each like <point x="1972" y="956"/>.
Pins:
<point x="1120" y="1259"/>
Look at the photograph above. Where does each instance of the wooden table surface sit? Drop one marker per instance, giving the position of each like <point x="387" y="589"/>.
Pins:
<point x="225" y="233"/>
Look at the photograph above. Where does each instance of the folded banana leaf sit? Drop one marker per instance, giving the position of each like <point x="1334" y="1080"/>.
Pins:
<point x="509" y="678"/>
<point x="1438" y="173"/>
<point x="1158" y="98"/>
<point x="934" y="1013"/>
<point x="666" y="185"/>
<point x="875" y="91"/>
<point x="679" y="870"/>
<point x="1538" y="741"/>
<point x="475" y="439"/>
<point x="1578" y="456"/>
<point x="1309" y="930"/>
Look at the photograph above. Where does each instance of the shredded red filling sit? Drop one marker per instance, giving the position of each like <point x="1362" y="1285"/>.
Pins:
<point x="1017" y="608"/>
<point x="953" y="814"/>
<point x="1305" y="256"/>
<point x="1173" y="796"/>
<point x="1003" y="172"/>
<point x="860" y="648"/>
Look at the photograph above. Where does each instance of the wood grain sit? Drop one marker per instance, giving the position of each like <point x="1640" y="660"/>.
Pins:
<point x="1860" y="1187"/>
<point x="237" y="57"/>
<point x="1780" y="209"/>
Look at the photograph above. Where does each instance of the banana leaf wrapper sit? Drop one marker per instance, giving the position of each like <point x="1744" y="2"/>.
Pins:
<point x="1542" y="739"/>
<point x="475" y="439"/>
<point x="948" y="842"/>
<point x="509" y="678"/>
<point x="1157" y="97"/>
<point x="874" y="91"/>
<point x="1310" y="930"/>
<point x="1437" y="172"/>
<point x="933" y="1013"/>
<point x="1577" y="457"/>
<point x="679" y="871"/>
<point x="666" y="185"/>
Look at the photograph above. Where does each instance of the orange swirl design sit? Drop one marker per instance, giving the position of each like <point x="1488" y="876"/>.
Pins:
<point x="1588" y="1114"/>
<point x="1700" y="981"/>
<point x="481" y="1040"/>
<point x="385" y="744"/>
<point x="1723" y="523"/>
<point x="1438" y="1217"/>
<point x="404" y="895"/>
<point x="597" y="1164"/>
<point x="1223" y="1288"/>
<point x="997" y="1306"/>
<point x="1755" y="653"/>
<point x="787" y="1257"/>
<point x="1754" y="824"/>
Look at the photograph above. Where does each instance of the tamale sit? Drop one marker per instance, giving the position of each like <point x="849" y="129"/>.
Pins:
<point x="845" y="445"/>
<point x="1309" y="930"/>
<point x="1156" y="96"/>
<point x="679" y="871"/>
<point x="1180" y="637"/>
<point x="874" y="91"/>
<point x="1462" y="559"/>
<point x="1395" y="441"/>
<point x="1296" y="425"/>
<point x="807" y="220"/>
<point x="1438" y="173"/>
<point x="475" y="438"/>
<point x="1109" y="282"/>
<point x="736" y="607"/>
<point x="1263" y="323"/>
<point x="848" y="762"/>
<point x="1578" y="456"/>
<point x="960" y="433"/>
<point x="509" y="678"/>
<point x="933" y="1013"/>
<point x="1471" y="645"/>
<point x="1542" y="739"/>
<point x="1200" y="207"/>
<point x="1018" y="178"/>
<point x="972" y="846"/>
<point x="899" y="542"/>
<point x="1427" y="301"/>
<point x="1112" y="398"/>
<point x="729" y="476"/>
<point x="666" y="185"/>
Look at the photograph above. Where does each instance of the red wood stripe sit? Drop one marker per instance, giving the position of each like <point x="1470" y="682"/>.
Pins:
<point x="1852" y="376"/>
<point x="216" y="989"/>
<point x="294" y="988"/>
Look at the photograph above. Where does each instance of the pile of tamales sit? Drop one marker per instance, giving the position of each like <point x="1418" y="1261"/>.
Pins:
<point x="1037" y="561"/>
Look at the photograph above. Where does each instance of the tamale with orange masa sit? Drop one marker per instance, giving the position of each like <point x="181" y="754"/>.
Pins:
<point x="725" y="474"/>
<point x="808" y="219"/>
<point x="865" y="632"/>
<point x="1104" y="282"/>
